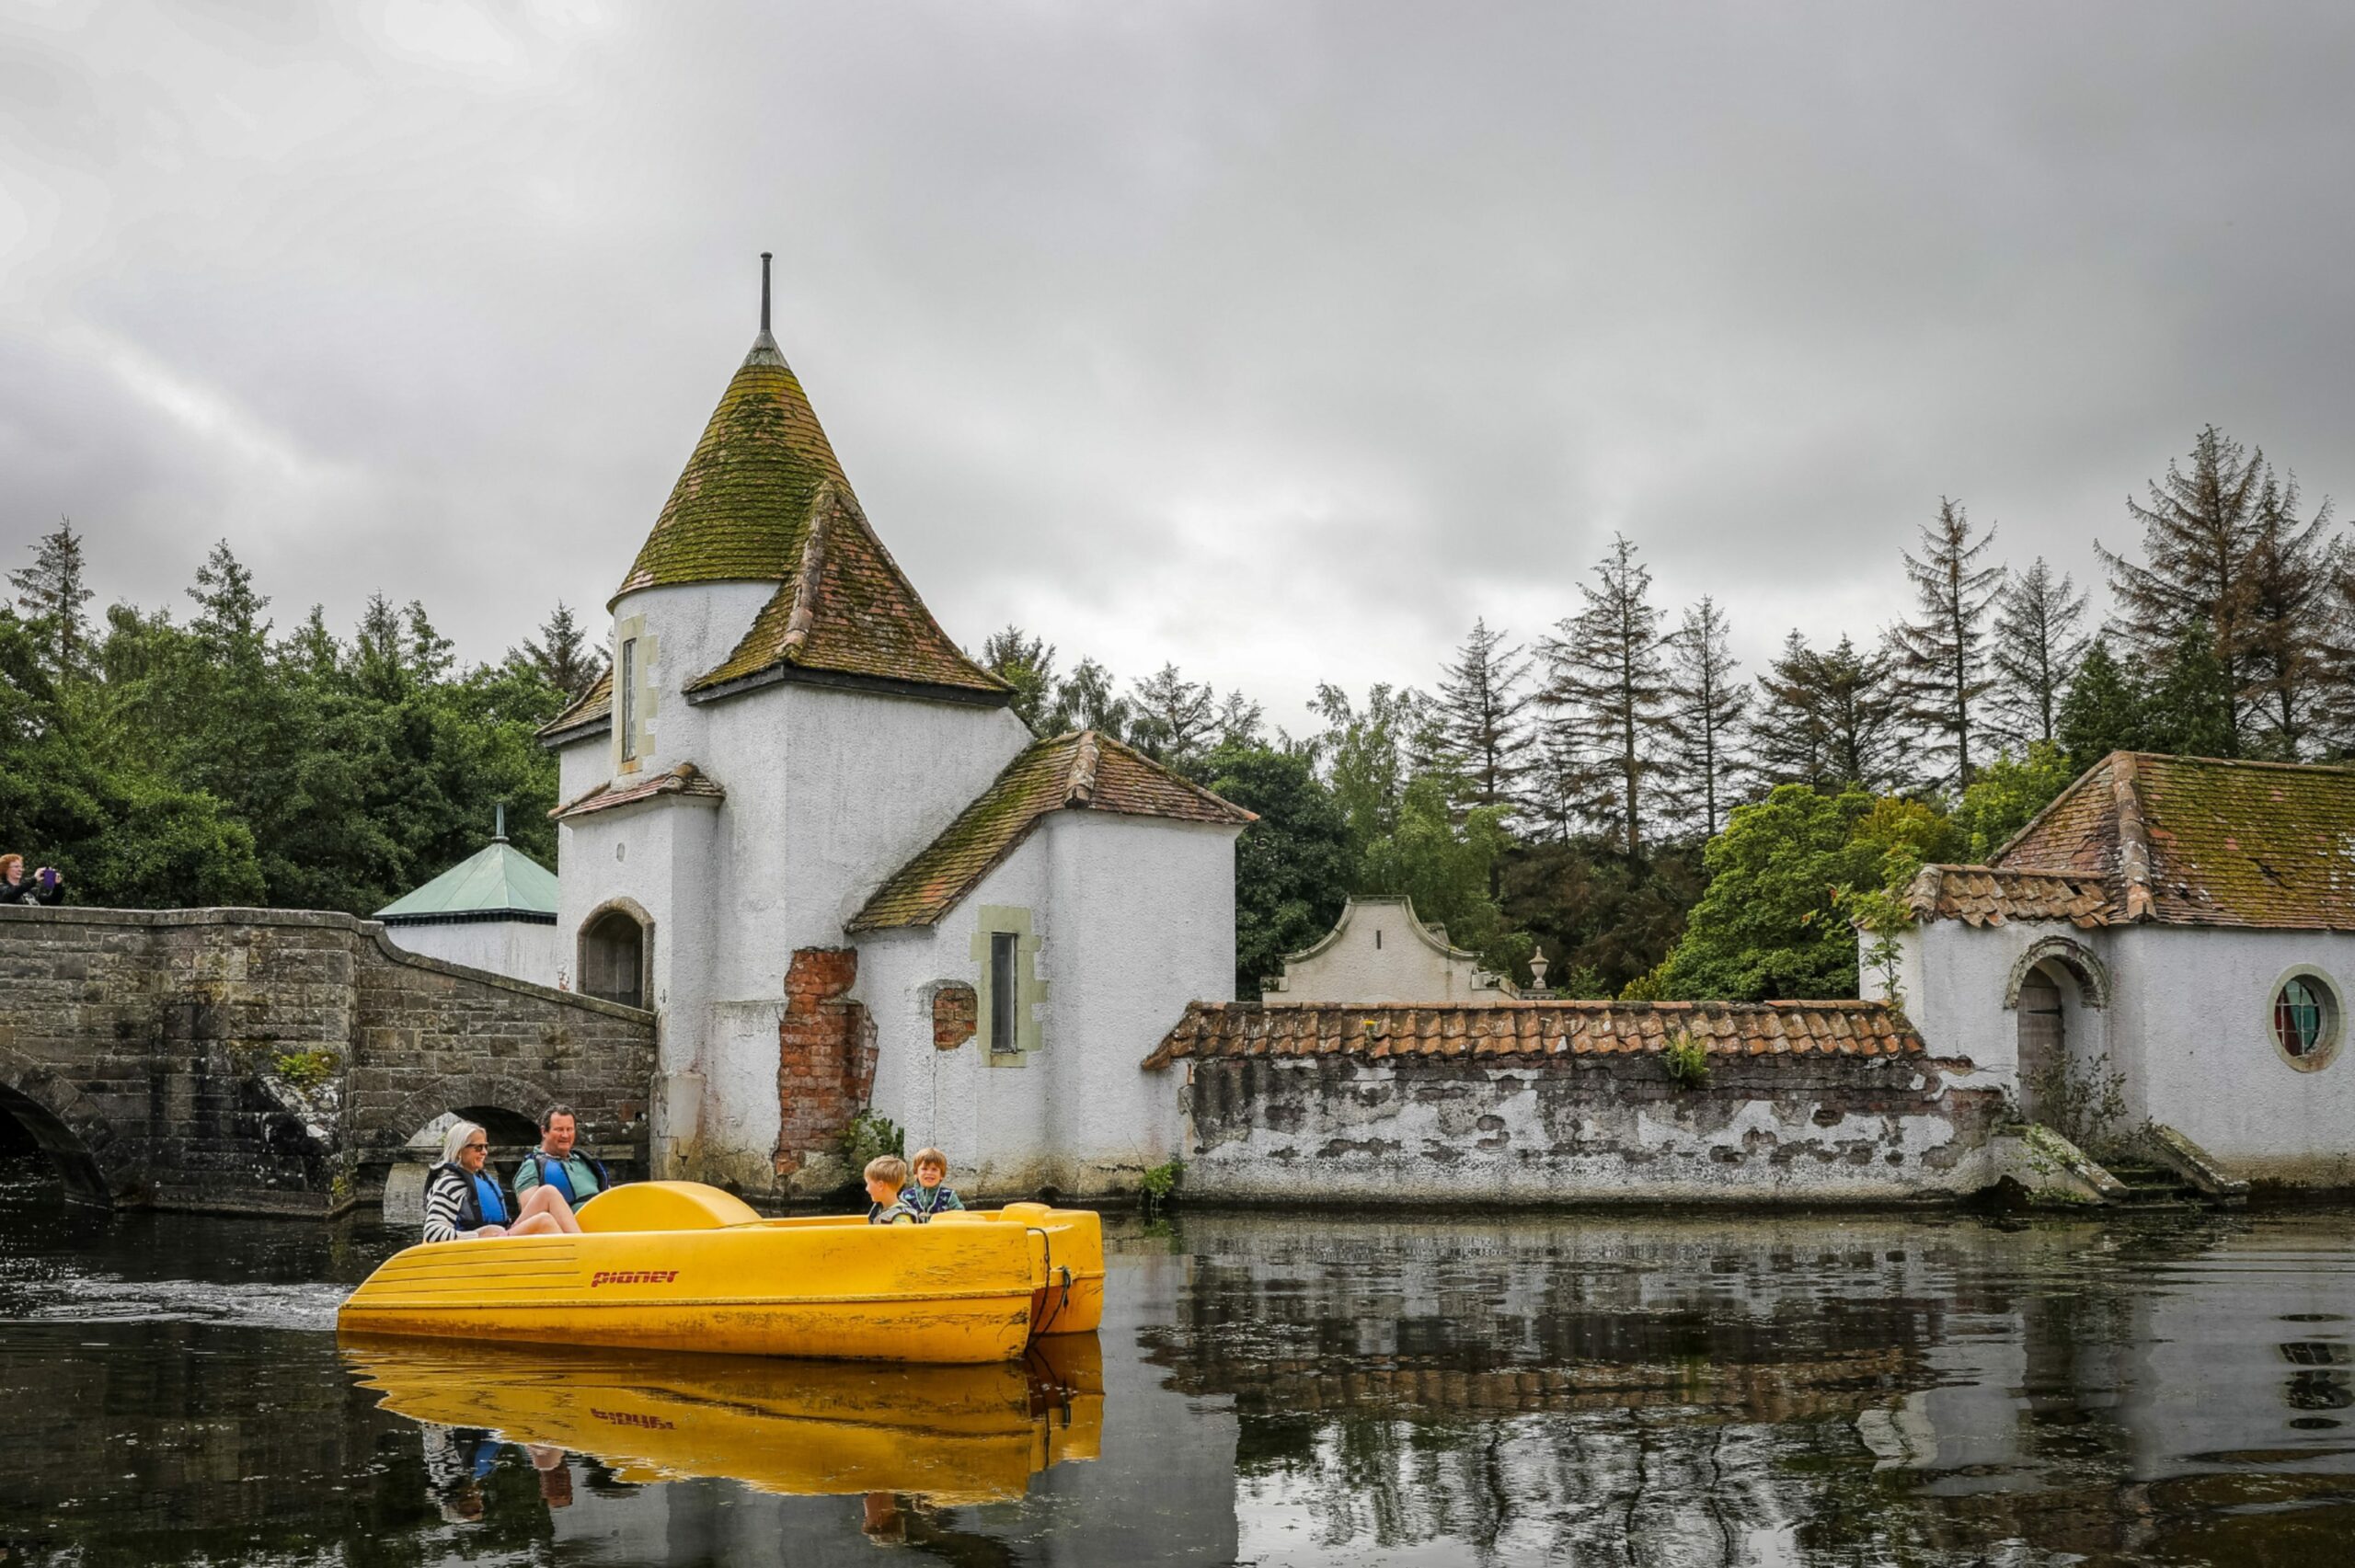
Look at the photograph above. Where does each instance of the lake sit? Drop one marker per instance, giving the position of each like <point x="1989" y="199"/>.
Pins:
<point x="1598" y="1387"/>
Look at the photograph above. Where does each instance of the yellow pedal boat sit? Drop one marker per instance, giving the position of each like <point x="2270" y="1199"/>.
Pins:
<point x="955" y="1435"/>
<point x="677" y="1266"/>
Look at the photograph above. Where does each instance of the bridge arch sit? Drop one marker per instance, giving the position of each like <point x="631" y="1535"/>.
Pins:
<point x="66" y="1127"/>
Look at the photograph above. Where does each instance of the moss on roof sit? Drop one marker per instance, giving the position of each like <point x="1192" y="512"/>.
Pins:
<point x="764" y="499"/>
<point x="1084" y="771"/>
<point x="2196" y="841"/>
<point x="742" y="505"/>
<point x="594" y="706"/>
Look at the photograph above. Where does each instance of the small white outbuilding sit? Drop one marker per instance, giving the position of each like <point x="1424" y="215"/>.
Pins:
<point x="494" y="910"/>
<point x="2170" y="942"/>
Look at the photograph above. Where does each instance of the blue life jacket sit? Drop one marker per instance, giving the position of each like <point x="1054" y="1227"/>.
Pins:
<point x="924" y="1204"/>
<point x="553" y="1174"/>
<point x="480" y="1201"/>
<point x="898" y="1213"/>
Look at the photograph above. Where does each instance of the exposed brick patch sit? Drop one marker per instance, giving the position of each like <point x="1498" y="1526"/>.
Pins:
<point x="826" y="1050"/>
<point x="955" y="1015"/>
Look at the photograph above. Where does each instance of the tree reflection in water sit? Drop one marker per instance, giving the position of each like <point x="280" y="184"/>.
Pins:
<point x="1610" y="1389"/>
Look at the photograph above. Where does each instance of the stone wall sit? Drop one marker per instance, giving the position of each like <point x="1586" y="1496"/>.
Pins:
<point x="1589" y="1128"/>
<point x="275" y="1060"/>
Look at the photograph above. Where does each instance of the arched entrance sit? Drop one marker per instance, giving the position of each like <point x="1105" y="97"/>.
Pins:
<point x="2043" y="1042"/>
<point x="615" y="951"/>
<point x="31" y="1137"/>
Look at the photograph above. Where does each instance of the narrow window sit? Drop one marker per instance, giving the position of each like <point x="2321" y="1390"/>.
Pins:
<point x="627" y="714"/>
<point x="1377" y="939"/>
<point x="1002" y="983"/>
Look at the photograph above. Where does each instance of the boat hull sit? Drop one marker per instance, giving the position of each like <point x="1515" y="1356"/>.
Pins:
<point x="946" y="1294"/>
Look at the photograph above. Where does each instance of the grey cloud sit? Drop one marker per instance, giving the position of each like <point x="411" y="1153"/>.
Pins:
<point x="1279" y="341"/>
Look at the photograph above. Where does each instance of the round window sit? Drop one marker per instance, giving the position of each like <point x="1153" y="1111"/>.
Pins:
<point x="2306" y="1019"/>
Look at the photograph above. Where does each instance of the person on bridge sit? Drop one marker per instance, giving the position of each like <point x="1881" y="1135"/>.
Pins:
<point x="46" y="886"/>
<point x="558" y="1164"/>
<point x="463" y="1200"/>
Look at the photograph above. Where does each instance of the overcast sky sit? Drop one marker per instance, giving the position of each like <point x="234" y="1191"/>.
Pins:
<point x="1278" y="341"/>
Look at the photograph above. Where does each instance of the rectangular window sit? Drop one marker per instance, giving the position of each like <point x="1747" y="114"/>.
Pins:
<point x="1004" y="985"/>
<point x="625" y="711"/>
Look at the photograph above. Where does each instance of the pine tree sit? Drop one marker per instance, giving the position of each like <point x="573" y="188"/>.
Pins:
<point x="2189" y="709"/>
<point x="1608" y="686"/>
<point x="2212" y="534"/>
<point x="1832" y="719"/>
<point x="1708" y="703"/>
<point x="51" y="592"/>
<point x="2038" y="647"/>
<point x="1027" y="664"/>
<point x="1175" y="717"/>
<point x="2102" y="712"/>
<point x="562" y="657"/>
<point x="1558" y="789"/>
<point x="1087" y="699"/>
<point x="2283" y="624"/>
<point x="1941" y="654"/>
<point x="1479" y="718"/>
<point x="1240" y="721"/>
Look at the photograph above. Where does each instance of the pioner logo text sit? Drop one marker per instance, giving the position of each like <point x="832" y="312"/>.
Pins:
<point x="633" y="1277"/>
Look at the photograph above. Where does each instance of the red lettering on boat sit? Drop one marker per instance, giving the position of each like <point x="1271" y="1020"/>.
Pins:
<point x="633" y="1277"/>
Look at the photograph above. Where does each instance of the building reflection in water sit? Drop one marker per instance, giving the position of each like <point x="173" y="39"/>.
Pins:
<point x="1608" y="1389"/>
<point x="1763" y="1390"/>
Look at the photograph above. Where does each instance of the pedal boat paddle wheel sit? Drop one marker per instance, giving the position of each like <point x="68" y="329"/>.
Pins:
<point x="677" y="1266"/>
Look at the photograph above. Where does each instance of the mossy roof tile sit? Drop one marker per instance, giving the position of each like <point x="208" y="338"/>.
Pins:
<point x="593" y="707"/>
<point x="2181" y="840"/>
<point x="1084" y="771"/>
<point x="764" y="499"/>
<point x="1539" y="1028"/>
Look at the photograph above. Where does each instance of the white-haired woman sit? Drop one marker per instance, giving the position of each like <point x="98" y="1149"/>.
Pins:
<point x="463" y="1197"/>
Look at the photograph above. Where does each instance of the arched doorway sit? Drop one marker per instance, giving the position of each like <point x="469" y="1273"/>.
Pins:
<point x="614" y="956"/>
<point x="35" y="1144"/>
<point x="2043" y="1042"/>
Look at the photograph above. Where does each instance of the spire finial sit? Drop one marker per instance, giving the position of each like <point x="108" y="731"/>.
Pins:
<point x="764" y="293"/>
<point x="498" y="832"/>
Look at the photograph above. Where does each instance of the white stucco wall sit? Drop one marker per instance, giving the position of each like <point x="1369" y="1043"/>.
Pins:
<point x="2188" y="1030"/>
<point x="1378" y="951"/>
<point x="1135" y="917"/>
<point x="519" y="949"/>
<point x="693" y="628"/>
<point x="2194" y="1020"/>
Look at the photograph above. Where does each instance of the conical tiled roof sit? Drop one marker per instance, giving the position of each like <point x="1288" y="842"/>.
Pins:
<point x="764" y="499"/>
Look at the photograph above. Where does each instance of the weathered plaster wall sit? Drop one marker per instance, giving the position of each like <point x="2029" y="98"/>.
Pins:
<point x="522" y="950"/>
<point x="279" y="1060"/>
<point x="2193" y="1019"/>
<point x="1603" y="1128"/>
<point x="1955" y="978"/>
<point x="1135" y="917"/>
<point x="1379" y="952"/>
<point x="694" y="627"/>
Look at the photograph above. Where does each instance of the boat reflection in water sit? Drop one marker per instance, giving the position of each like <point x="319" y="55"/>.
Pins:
<point x="948" y="1435"/>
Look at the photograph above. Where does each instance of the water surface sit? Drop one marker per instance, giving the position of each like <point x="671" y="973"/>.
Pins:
<point x="1590" y="1388"/>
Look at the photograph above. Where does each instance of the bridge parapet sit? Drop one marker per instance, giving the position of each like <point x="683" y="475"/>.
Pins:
<point x="279" y="1060"/>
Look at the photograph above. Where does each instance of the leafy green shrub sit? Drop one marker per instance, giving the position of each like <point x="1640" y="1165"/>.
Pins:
<point x="1687" y="1061"/>
<point x="1160" y="1185"/>
<point x="306" y="1070"/>
<point x="868" y="1136"/>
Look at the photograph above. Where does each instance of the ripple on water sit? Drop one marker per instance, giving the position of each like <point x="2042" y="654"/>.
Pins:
<point x="64" y="1296"/>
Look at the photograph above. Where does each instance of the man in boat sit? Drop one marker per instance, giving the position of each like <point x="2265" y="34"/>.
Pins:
<point x="463" y="1200"/>
<point x="556" y="1163"/>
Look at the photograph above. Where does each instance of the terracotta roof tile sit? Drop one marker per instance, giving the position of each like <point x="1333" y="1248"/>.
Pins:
<point x="2183" y="841"/>
<point x="1506" y="1028"/>
<point x="1080" y="772"/>
<point x="594" y="706"/>
<point x="764" y="499"/>
<point x="686" y="780"/>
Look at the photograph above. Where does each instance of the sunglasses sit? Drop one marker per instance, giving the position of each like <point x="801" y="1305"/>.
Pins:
<point x="482" y="1146"/>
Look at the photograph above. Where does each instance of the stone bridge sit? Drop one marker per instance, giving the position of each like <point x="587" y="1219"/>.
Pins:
<point x="282" y="1061"/>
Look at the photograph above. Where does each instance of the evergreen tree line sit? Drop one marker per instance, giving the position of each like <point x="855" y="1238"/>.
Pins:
<point x="1616" y="793"/>
<point x="1577" y="792"/>
<point x="211" y="759"/>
